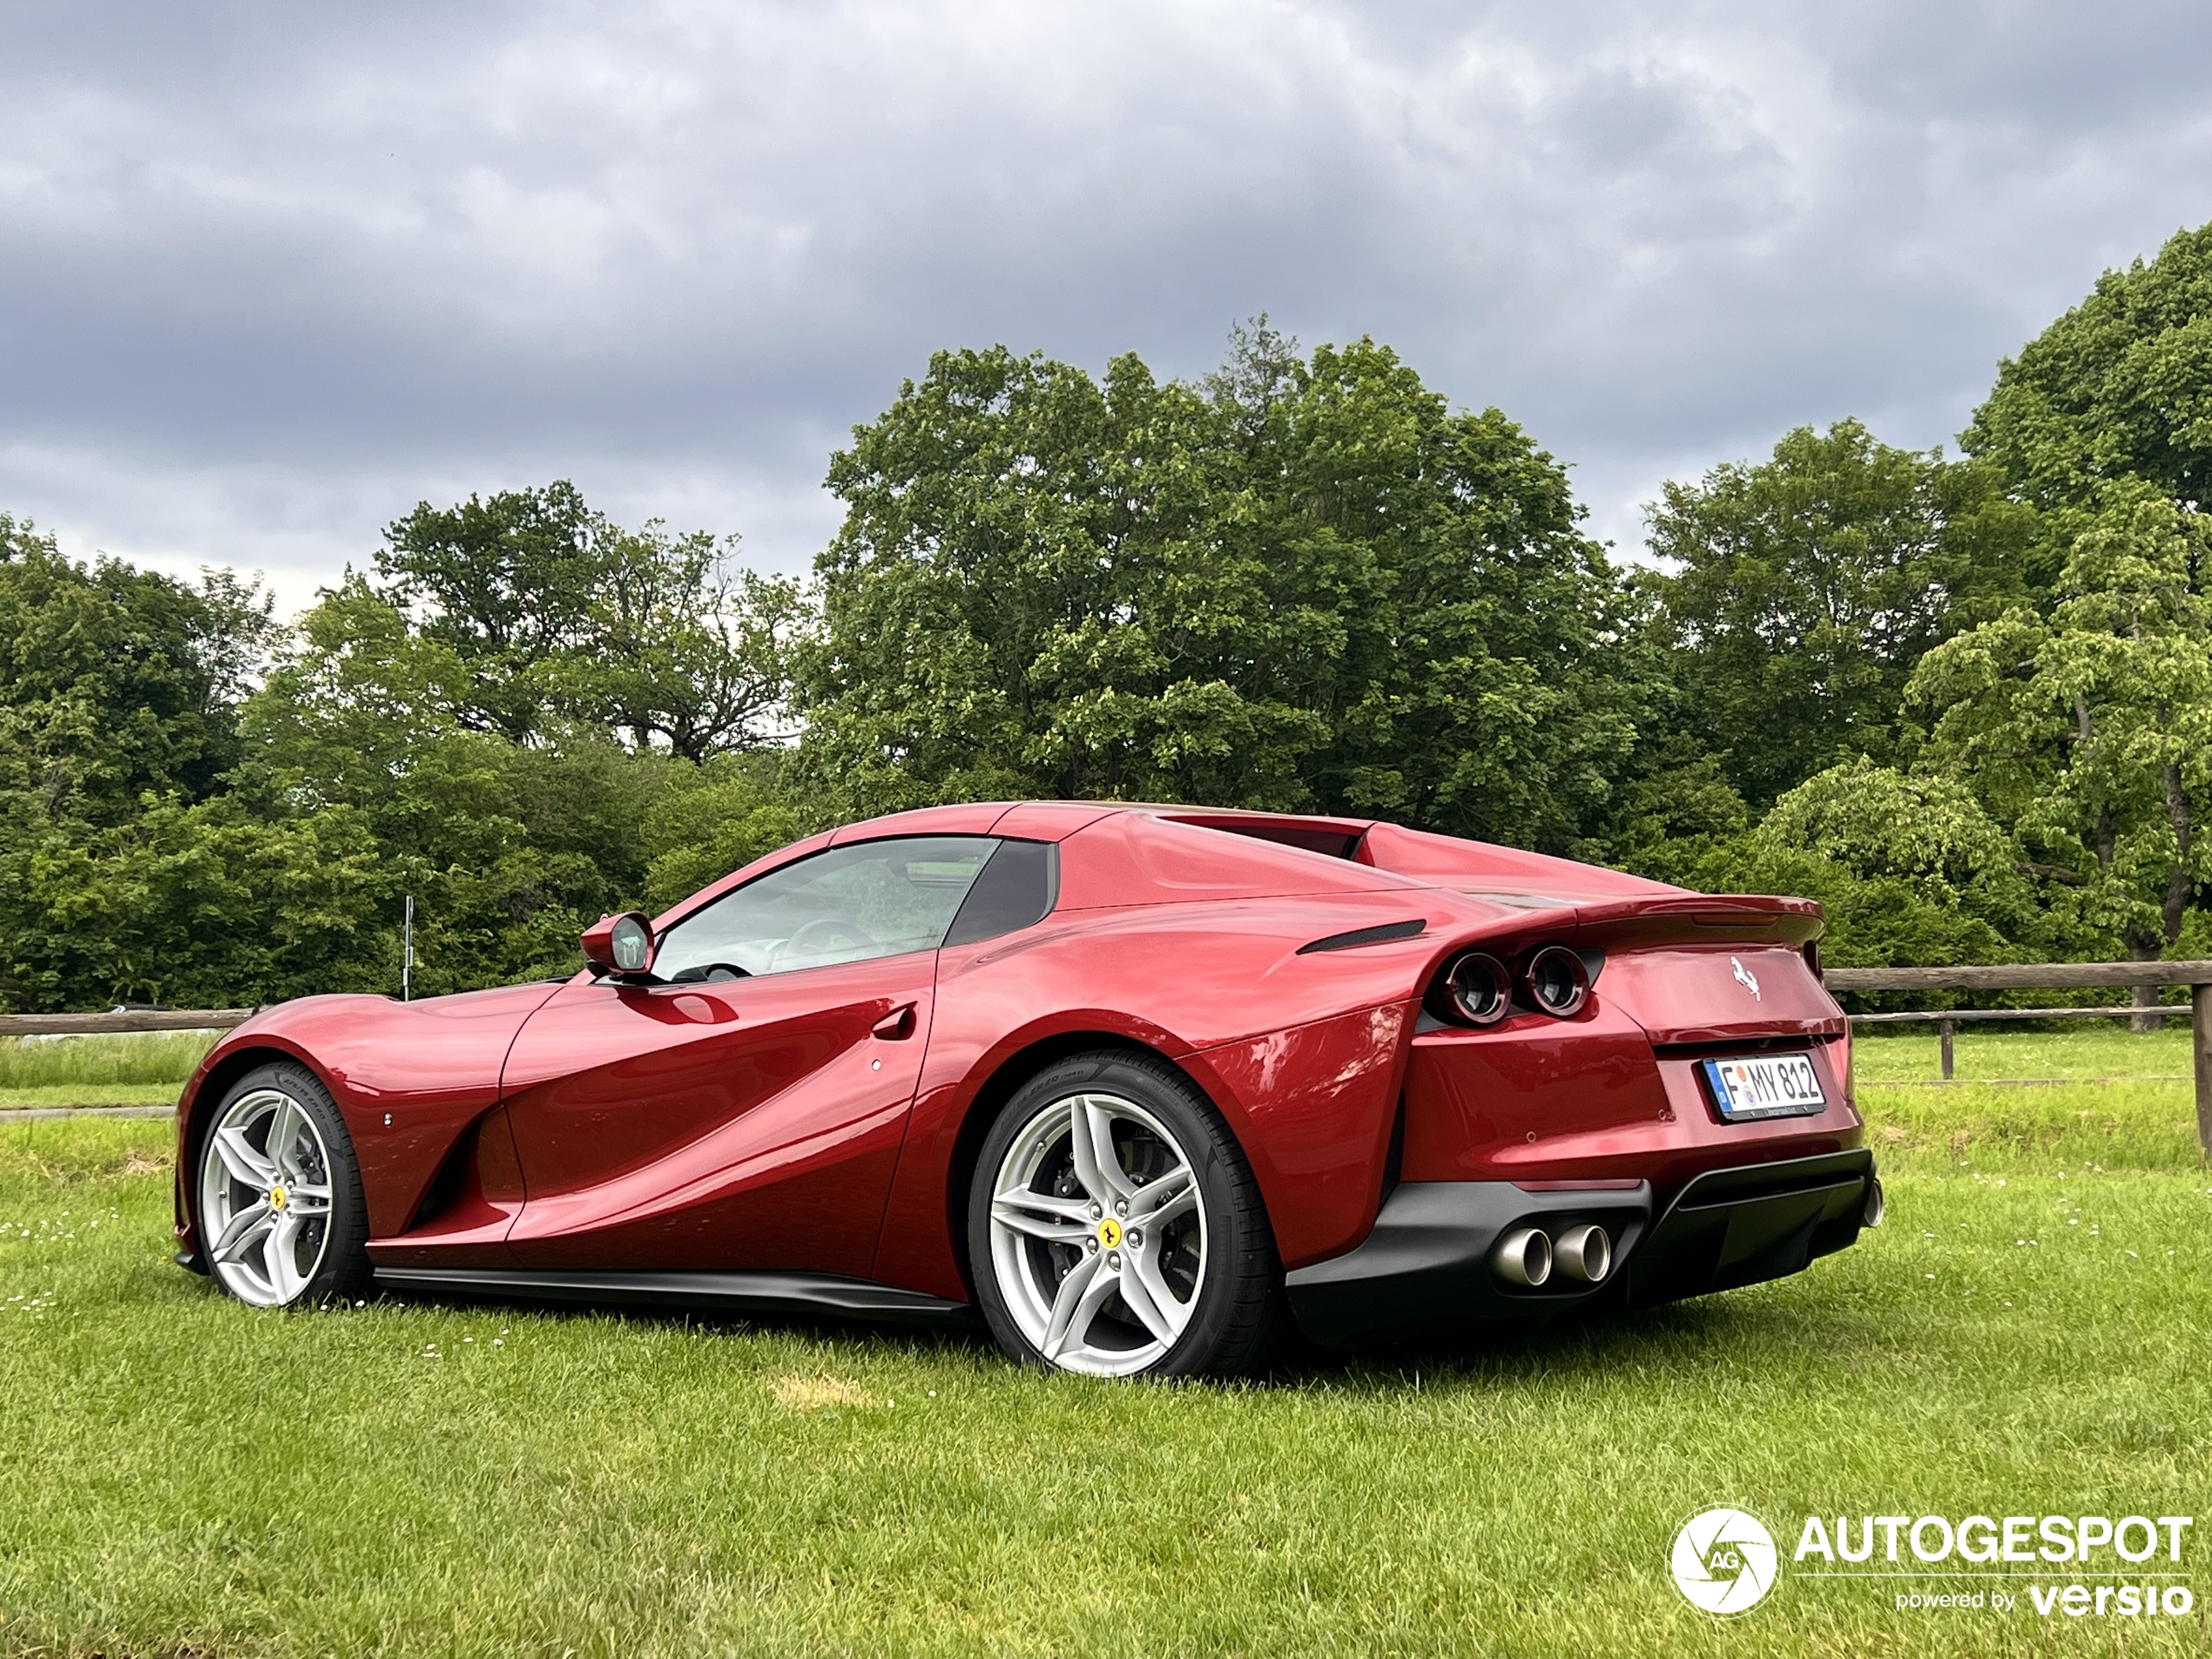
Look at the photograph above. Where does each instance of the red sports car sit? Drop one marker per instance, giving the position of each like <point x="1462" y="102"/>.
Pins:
<point x="1132" y="1081"/>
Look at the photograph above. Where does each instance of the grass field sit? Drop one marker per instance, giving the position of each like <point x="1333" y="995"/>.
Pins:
<point x="2133" y="1107"/>
<point x="2025" y="1336"/>
<point x="143" y="1070"/>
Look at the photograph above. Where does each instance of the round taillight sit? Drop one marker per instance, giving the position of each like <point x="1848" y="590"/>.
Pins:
<point x="1477" y="990"/>
<point x="1557" y="981"/>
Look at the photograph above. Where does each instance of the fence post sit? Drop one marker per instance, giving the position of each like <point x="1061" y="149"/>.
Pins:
<point x="2201" y="1039"/>
<point x="1944" y="1028"/>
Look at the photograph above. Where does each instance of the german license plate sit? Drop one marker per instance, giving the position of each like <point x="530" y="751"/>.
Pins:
<point x="1775" y="1085"/>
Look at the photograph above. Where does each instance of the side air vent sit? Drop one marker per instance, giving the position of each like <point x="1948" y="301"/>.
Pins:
<point x="1381" y="935"/>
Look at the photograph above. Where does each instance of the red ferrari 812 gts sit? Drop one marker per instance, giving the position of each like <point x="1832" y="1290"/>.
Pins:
<point x="1134" y="1083"/>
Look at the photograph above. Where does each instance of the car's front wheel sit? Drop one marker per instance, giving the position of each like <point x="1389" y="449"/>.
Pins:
<point x="1116" y="1229"/>
<point x="281" y="1216"/>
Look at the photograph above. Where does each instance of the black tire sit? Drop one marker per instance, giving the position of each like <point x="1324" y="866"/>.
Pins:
<point x="341" y="1270"/>
<point x="1237" y="1302"/>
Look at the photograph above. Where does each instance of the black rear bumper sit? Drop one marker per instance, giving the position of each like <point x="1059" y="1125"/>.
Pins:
<point x="1428" y="1257"/>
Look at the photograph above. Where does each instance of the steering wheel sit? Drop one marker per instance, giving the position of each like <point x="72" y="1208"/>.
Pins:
<point x="816" y="939"/>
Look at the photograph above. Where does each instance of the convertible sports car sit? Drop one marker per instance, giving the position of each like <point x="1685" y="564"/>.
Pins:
<point x="1132" y="1081"/>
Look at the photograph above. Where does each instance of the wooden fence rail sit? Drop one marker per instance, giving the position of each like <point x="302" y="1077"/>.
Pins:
<point x="2021" y="976"/>
<point x="114" y="1020"/>
<point x="2057" y="976"/>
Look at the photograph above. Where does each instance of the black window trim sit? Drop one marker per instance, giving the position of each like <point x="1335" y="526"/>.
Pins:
<point x="954" y="940"/>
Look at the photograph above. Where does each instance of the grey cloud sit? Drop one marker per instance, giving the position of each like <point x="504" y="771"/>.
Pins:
<point x="269" y="274"/>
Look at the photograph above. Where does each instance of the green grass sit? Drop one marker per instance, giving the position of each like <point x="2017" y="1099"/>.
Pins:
<point x="185" y="1474"/>
<point x="2135" y="1108"/>
<point x="2085" y="1049"/>
<point x="145" y="1069"/>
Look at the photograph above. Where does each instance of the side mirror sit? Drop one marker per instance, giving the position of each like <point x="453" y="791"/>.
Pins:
<point x="620" y="944"/>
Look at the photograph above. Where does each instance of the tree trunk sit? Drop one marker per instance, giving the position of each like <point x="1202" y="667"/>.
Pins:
<point x="2143" y="948"/>
<point x="2145" y="996"/>
<point x="2174" y="910"/>
<point x="2178" y="884"/>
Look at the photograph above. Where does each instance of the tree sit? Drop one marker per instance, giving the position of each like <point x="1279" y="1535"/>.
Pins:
<point x="510" y="848"/>
<point x="679" y="649"/>
<point x="554" y="613"/>
<point x="506" y="586"/>
<point x="1306" y="583"/>
<point x="116" y="682"/>
<point x="211" y="905"/>
<point x="2116" y="392"/>
<point x="1805" y="589"/>
<point x="2083" y="720"/>
<point x="2091" y="730"/>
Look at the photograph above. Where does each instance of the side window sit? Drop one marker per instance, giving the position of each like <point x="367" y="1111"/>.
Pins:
<point x="873" y="899"/>
<point x="1017" y="888"/>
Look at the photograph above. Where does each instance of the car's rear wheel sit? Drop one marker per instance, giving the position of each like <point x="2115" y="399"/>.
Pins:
<point x="281" y="1219"/>
<point x="1115" y="1227"/>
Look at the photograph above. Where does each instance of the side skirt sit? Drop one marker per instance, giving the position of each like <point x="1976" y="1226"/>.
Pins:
<point x="715" y="1292"/>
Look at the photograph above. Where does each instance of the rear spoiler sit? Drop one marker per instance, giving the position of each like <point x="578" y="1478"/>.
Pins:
<point x="1713" y="919"/>
<point x="1629" y="924"/>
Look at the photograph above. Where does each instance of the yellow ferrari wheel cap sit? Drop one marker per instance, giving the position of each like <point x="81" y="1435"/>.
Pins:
<point x="1109" y="1233"/>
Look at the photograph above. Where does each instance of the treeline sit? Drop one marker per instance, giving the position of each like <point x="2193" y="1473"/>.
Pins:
<point x="1964" y="701"/>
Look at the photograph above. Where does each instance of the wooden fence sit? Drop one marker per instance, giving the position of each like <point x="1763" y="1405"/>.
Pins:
<point x="2052" y="976"/>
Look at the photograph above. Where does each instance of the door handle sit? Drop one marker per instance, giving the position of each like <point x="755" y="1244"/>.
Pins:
<point x="898" y="1025"/>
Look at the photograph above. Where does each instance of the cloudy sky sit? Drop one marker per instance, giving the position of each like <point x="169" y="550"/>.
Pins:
<point x="270" y="273"/>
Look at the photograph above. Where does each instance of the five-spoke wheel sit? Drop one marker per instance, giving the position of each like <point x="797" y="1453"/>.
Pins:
<point x="279" y="1214"/>
<point x="1115" y="1227"/>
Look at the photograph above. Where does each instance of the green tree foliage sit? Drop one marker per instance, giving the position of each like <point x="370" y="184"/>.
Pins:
<point x="120" y="862"/>
<point x="551" y="613"/>
<point x="116" y="682"/>
<point x="207" y="905"/>
<point x="170" y="831"/>
<point x="2090" y="731"/>
<point x="517" y="714"/>
<point x="1805" y="588"/>
<point x="2116" y="395"/>
<point x="1304" y="584"/>
<point x="1909" y="866"/>
<point x="2085" y="721"/>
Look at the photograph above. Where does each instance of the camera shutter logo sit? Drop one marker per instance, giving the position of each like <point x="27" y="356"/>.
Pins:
<point x="1723" y="1561"/>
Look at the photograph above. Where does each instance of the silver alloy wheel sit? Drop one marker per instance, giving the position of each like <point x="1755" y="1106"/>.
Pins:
<point x="1098" y="1235"/>
<point x="264" y="1197"/>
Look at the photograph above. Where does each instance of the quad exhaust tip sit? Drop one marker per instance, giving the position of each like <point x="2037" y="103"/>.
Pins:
<point x="1523" y="1257"/>
<point x="1583" y="1252"/>
<point x="1527" y="1256"/>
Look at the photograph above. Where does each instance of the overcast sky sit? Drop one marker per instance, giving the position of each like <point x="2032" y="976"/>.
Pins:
<point x="270" y="273"/>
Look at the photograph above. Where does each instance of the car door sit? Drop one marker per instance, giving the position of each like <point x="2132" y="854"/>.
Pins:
<point x="743" y="1110"/>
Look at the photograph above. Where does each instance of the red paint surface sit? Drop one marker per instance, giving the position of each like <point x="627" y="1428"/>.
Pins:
<point x="765" y="1123"/>
<point x="432" y="1066"/>
<point x="1320" y="1099"/>
<point x="751" y="1123"/>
